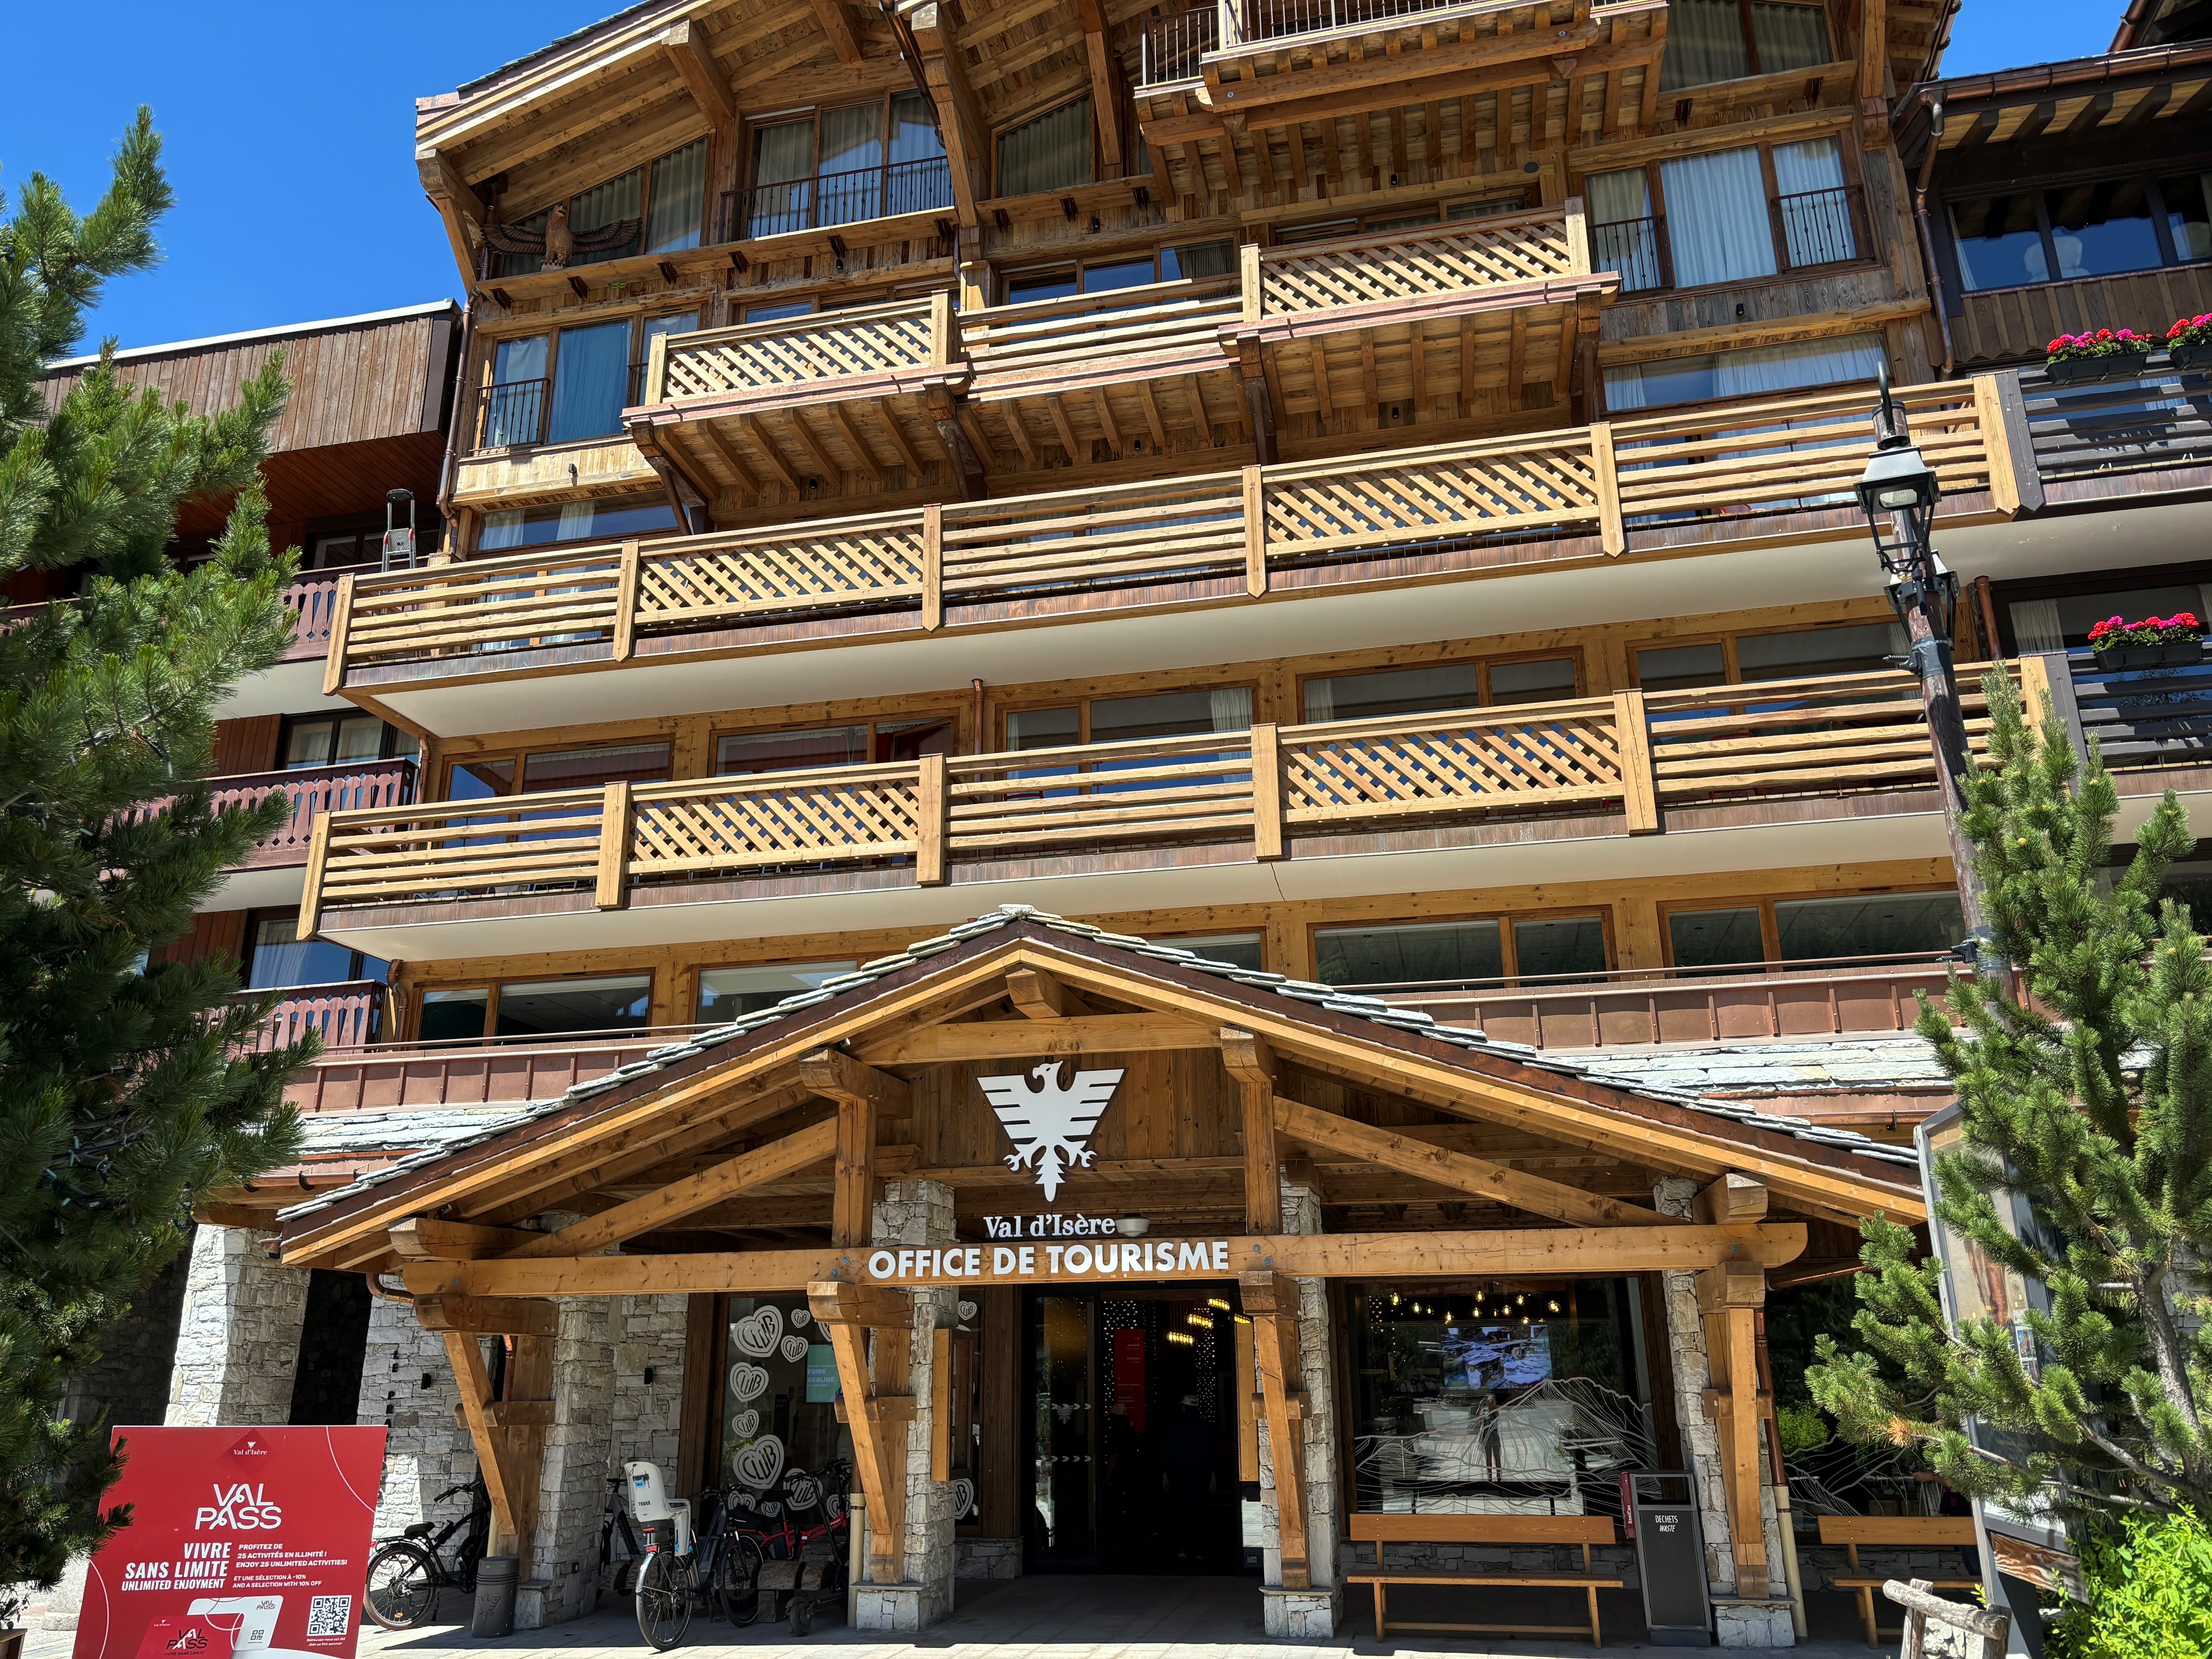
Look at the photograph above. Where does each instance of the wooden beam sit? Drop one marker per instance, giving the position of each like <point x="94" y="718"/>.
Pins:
<point x="838" y="24"/>
<point x="1729" y="1296"/>
<point x="861" y="1093"/>
<point x="1458" y="1170"/>
<point x="458" y="207"/>
<point x="959" y="118"/>
<point x="873" y="1396"/>
<point x="1040" y="1039"/>
<point x="425" y="1238"/>
<point x="1272" y="1301"/>
<point x="1105" y="89"/>
<point x="693" y="55"/>
<point x="1037" y="995"/>
<point x="870" y="1306"/>
<point x="511" y="1413"/>
<point x="1250" y="1064"/>
<point x="1733" y="1198"/>
<point x="494" y="1315"/>
<point x="687" y="1197"/>
<point x="490" y="1441"/>
<point x="1565" y="1252"/>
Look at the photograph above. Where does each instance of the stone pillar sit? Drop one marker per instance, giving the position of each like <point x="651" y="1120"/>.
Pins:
<point x="918" y="1213"/>
<point x="407" y="1385"/>
<point x="238" y="1339"/>
<point x="1310" y="1614"/>
<point x="1745" y="1615"/>
<point x="572" y="1488"/>
<point x="648" y="1416"/>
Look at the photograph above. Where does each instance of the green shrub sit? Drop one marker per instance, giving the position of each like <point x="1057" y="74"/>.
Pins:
<point x="2150" y="1594"/>
<point x="1800" y="1426"/>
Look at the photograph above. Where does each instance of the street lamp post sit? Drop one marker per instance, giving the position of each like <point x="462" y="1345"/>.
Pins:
<point x="1898" y="492"/>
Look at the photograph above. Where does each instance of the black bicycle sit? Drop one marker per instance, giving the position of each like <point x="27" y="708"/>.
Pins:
<point x="720" y="1564"/>
<point x="406" y="1573"/>
<point x="618" y="1566"/>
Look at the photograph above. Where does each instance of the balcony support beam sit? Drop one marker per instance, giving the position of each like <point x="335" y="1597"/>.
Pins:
<point x="838" y="24"/>
<point x="959" y="119"/>
<point x="1105" y="85"/>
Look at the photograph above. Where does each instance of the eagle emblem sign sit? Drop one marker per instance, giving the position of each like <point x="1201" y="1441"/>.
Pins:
<point x="1049" y="1121"/>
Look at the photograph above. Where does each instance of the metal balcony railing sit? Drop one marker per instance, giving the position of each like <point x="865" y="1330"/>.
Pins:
<point x="1170" y="47"/>
<point x="1817" y="227"/>
<point x="1634" y="248"/>
<point x="513" y="413"/>
<point x="845" y="198"/>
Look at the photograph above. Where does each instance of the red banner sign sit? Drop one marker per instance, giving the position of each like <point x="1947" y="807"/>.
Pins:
<point x="245" y="1542"/>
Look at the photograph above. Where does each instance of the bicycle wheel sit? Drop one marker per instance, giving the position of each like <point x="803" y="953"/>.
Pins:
<point x="737" y="1581"/>
<point x="664" y="1602"/>
<point x="402" y="1591"/>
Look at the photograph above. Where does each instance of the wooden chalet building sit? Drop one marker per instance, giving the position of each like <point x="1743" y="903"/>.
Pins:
<point x="1346" y="503"/>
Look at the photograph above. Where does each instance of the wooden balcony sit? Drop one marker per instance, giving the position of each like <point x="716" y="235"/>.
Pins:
<point x="1633" y="763"/>
<point x="2014" y="325"/>
<point x="347" y="1016"/>
<point x="313" y="599"/>
<point x="1739" y="474"/>
<point x="905" y="397"/>
<point x="314" y="791"/>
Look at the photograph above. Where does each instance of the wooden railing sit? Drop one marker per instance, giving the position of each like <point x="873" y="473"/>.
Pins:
<point x="1104" y="330"/>
<point x="1427" y="263"/>
<point x="314" y="791"/>
<point x="1628" y="757"/>
<point x="1717" y="473"/>
<point x="347" y="1016"/>
<point x="313" y="599"/>
<point x="2155" y="717"/>
<point x="1814" y="999"/>
<point x="767" y="363"/>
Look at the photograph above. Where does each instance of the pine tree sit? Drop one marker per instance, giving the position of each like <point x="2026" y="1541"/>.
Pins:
<point x="2093" y="1102"/>
<point x="124" y="1088"/>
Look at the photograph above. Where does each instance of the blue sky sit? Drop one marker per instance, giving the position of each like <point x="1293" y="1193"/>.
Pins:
<point x="290" y="134"/>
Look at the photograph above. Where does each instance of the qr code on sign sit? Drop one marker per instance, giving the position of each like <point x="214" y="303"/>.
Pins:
<point x="330" y="1615"/>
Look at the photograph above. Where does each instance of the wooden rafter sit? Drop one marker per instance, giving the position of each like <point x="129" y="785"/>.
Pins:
<point x="878" y="1403"/>
<point x="960" y="118"/>
<point x="1250" y="1064"/>
<point x="837" y="23"/>
<point x="688" y="49"/>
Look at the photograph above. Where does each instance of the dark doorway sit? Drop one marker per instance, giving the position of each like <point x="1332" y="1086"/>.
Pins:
<point x="1130" y="1440"/>
<point x="333" y="1342"/>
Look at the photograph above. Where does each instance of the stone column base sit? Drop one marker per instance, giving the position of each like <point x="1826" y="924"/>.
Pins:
<point x="1754" y="1622"/>
<point x="986" y="1558"/>
<point x="1301" y="1615"/>
<point x="900" y="1606"/>
<point x="531" y="1596"/>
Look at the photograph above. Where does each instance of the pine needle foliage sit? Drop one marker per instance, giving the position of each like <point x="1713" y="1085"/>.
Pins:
<point x="127" y="1087"/>
<point x="2092" y="1101"/>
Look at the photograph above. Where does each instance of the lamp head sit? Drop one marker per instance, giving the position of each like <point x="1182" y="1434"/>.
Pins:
<point x="1897" y="480"/>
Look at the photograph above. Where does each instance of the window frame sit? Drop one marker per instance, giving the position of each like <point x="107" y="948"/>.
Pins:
<point x="646" y="169"/>
<point x="1007" y="276"/>
<point x="1753" y="72"/>
<point x="1082" y="701"/>
<point x="1482" y="665"/>
<point x="740" y="227"/>
<point x="1726" y="638"/>
<point x="1508" y="951"/>
<point x="1770" y="928"/>
<point x="255" y="917"/>
<point x="493" y="988"/>
<point x="387" y="744"/>
<point x="634" y="364"/>
<point x="520" y="759"/>
<point x="1853" y="189"/>
<point x="698" y="977"/>
<point x="1000" y="133"/>
<point x="2039" y="188"/>
<point x="950" y="719"/>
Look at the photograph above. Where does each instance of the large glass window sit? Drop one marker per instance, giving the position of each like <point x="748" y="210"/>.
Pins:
<point x="277" y="958"/>
<point x="1711" y="40"/>
<point x="1239" y="950"/>
<point x="2188" y="200"/>
<point x="2086" y="229"/>
<point x="617" y="202"/>
<point x="608" y="518"/>
<point x="2000" y="241"/>
<point x="1050" y="151"/>
<point x="1474" y="1397"/>
<point x="1454" y="952"/>
<point x="1435" y="689"/>
<point x="514" y="403"/>
<point x="591" y="374"/>
<point x="667" y="200"/>
<point x="848" y="162"/>
<point x="2062" y="622"/>
<point x="548" y="1007"/>
<point x="678" y="199"/>
<point x="1716" y="217"/>
<point x="732" y="993"/>
<point x="1624" y="233"/>
<point x="1744" y="374"/>
<point x="334" y="739"/>
<point x="2103" y="228"/>
<point x="588" y="769"/>
<point x="1814" y="929"/>
<point x="779" y="1419"/>
<point x="832" y="745"/>
<point x="1789" y="653"/>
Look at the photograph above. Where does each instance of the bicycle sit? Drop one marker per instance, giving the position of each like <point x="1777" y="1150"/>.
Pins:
<point x="406" y="1573"/>
<point x="781" y="1539"/>
<point x="618" y="1573"/>
<point x="680" y="1573"/>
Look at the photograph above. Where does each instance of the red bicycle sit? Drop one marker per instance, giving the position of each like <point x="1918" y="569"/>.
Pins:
<point x="758" y="1537"/>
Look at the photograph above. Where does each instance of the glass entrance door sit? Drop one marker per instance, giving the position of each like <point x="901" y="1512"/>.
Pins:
<point x="1131" y="1431"/>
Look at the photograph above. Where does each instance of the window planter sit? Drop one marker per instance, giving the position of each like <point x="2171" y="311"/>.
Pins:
<point x="2192" y="359"/>
<point x="2085" y="371"/>
<point x="2173" y="654"/>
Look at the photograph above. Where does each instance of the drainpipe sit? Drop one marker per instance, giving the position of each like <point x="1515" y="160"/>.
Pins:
<point x="1927" y="235"/>
<point x="453" y="419"/>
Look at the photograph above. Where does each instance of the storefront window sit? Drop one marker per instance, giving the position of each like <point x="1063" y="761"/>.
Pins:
<point x="781" y="1442"/>
<point x="1496" y="1396"/>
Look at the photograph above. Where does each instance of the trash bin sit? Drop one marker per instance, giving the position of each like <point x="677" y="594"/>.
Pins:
<point x="1670" y="1558"/>
<point x="494" y="1613"/>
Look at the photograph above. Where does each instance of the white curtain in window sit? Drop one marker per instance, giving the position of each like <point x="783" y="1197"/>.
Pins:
<point x="851" y="186"/>
<point x="1051" y="152"/>
<point x="2036" y="627"/>
<point x="603" y="204"/>
<point x="1787" y="367"/>
<point x="1320" y="701"/>
<point x="501" y="530"/>
<point x="1623" y="237"/>
<point x="1789" y="37"/>
<point x="591" y="374"/>
<point x="679" y="194"/>
<point x="1705" y="44"/>
<point x="1717" y="219"/>
<point x="1816" y="217"/>
<point x="783" y="167"/>
<point x="1230" y="709"/>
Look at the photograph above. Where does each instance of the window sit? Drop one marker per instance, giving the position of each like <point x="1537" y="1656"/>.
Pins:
<point x="1430" y="691"/>
<point x="2063" y="621"/>
<point x="727" y="993"/>
<point x="591" y="371"/>
<point x="1470" y="1394"/>
<point x="2086" y="229"/>
<point x="1711" y="40"/>
<point x="278" y="959"/>
<point x="1815" y="929"/>
<point x="1238" y="950"/>
<point x="334" y="739"/>
<point x="514" y="407"/>
<point x="1050" y="151"/>
<point x="1330" y="230"/>
<point x="571" y="386"/>
<point x="837" y="166"/>
<point x="537" y="1008"/>
<point x="1852" y="649"/>
<point x="1456" y="952"/>
<point x="606" y="518"/>
<point x="1727" y="216"/>
<point x="668" y="197"/>
<point x="809" y="748"/>
<point x="777" y="312"/>
<point x="488" y="777"/>
<point x="1194" y="261"/>
<point x="1743" y="374"/>
<point x="1125" y="720"/>
<point x="652" y="328"/>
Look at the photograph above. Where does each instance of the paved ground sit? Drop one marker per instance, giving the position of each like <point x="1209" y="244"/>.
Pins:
<point x="1073" y="1618"/>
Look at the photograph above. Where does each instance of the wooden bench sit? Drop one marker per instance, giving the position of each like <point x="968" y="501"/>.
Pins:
<point x="1383" y="1530"/>
<point x="1898" y="1531"/>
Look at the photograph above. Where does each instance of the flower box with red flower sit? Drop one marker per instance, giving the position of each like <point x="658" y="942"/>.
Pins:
<point x="2153" y="642"/>
<point x="2189" y="345"/>
<point x="2107" y="353"/>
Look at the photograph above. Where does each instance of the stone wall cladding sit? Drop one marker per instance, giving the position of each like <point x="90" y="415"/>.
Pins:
<point x="648" y="1417"/>
<point x="1819" y="1565"/>
<point x="573" y="1490"/>
<point x="1618" y="1560"/>
<point x="918" y="1213"/>
<point x="1310" y="1614"/>
<point x="238" y="1337"/>
<point x="1701" y="1440"/>
<point x="407" y="1387"/>
<point x="986" y="1558"/>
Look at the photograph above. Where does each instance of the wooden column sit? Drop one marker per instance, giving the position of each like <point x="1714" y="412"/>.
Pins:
<point x="861" y="1093"/>
<point x="1271" y="1301"/>
<point x="508" y="1434"/>
<point x="878" y="1404"/>
<point x="997" y="1489"/>
<point x="1729" y="1297"/>
<point x="1251" y="1065"/>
